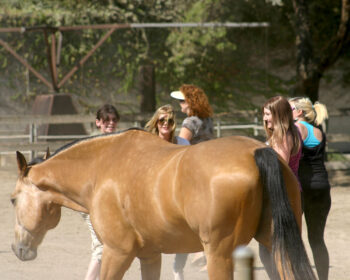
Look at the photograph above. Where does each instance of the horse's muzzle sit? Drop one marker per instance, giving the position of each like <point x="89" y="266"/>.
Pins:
<point x="24" y="253"/>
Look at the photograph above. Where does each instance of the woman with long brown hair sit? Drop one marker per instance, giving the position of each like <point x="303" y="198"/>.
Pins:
<point x="281" y="133"/>
<point x="283" y="136"/>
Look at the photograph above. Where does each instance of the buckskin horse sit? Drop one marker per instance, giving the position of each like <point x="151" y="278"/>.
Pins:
<point x="146" y="196"/>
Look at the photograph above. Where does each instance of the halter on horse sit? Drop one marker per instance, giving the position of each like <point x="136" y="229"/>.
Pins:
<point x="146" y="196"/>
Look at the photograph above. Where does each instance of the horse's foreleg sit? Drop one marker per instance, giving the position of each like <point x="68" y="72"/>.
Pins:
<point x="115" y="263"/>
<point x="150" y="267"/>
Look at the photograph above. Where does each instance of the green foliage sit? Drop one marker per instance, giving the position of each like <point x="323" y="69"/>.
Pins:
<point x="231" y="65"/>
<point x="219" y="60"/>
<point x="335" y="156"/>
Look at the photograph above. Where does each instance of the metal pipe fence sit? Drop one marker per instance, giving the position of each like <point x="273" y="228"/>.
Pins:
<point x="28" y="139"/>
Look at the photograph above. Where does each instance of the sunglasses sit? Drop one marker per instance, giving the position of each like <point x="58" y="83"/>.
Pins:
<point x="164" y="120"/>
<point x="108" y="120"/>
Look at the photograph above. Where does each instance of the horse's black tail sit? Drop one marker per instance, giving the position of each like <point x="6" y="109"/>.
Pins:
<point x="287" y="246"/>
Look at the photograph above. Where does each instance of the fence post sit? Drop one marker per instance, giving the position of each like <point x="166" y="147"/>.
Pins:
<point x="33" y="135"/>
<point x="256" y="122"/>
<point x="218" y="128"/>
<point x="243" y="262"/>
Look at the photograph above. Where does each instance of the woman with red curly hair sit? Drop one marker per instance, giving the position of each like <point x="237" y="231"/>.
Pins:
<point x="198" y="126"/>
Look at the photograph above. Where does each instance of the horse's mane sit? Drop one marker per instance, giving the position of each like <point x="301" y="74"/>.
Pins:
<point x="70" y="144"/>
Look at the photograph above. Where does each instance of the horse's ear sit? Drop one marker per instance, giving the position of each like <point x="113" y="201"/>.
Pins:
<point x="21" y="163"/>
<point x="47" y="155"/>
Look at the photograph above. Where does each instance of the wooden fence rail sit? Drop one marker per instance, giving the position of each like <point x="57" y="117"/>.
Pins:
<point x="33" y="143"/>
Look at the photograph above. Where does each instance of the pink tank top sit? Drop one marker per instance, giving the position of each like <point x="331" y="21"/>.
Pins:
<point x="294" y="160"/>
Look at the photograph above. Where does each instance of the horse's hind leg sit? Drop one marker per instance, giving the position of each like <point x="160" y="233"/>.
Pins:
<point x="263" y="237"/>
<point x="219" y="261"/>
<point x="115" y="264"/>
<point x="150" y="267"/>
<point x="219" y="267"/>
<point x="268" y="262"/>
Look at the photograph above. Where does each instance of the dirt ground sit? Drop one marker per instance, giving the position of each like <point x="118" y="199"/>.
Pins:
<point x="65" y="251"/>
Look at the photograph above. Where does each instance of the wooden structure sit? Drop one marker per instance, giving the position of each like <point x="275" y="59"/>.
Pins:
<point x="54" y="47"/>
<point x="147" y="73"/>
<point x="56" y="104"/>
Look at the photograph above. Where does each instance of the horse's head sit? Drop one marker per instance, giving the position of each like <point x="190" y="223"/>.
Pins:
<point x="36" y="213"/>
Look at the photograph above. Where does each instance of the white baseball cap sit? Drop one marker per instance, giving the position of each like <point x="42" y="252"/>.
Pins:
<point x="177" y="95"/>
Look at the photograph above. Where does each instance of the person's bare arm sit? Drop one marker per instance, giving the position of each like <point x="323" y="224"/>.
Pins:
<point x="318" y="134"/>
<point x="285" y="148"/>
<point x="282" y="152"/>
<point x="185" y="133"/>
<point x="302" y="129"/>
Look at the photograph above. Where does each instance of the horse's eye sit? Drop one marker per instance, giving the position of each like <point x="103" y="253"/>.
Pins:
<point x="13" y="201"/>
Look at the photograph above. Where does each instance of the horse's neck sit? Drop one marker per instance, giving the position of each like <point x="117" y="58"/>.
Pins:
<point x="66" y="188"/>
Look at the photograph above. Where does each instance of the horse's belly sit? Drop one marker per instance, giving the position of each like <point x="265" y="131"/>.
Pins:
<point x="170" y="242"/>
<point x="167" y="234"/>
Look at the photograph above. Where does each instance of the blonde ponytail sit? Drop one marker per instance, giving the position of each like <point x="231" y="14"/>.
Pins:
<point x="321" y="113"/>
<point x="316" y="113"/>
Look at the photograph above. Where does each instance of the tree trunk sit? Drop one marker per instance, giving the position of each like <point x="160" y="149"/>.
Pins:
<point x="307" y="82"/>
<point x="308" y="87"/>
<point x="310" y="68"/>
<point x="147" y="88"/>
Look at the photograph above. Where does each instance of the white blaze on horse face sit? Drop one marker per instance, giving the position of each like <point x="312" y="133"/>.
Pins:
<point x="34" y="217"/>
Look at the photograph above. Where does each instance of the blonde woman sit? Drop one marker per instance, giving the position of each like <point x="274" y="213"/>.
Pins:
<point x="314" y="177"/>
<point x="163" y="124"/>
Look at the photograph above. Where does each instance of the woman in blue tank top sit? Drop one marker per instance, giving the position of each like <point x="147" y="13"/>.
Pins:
<point x="313" y="177"/>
